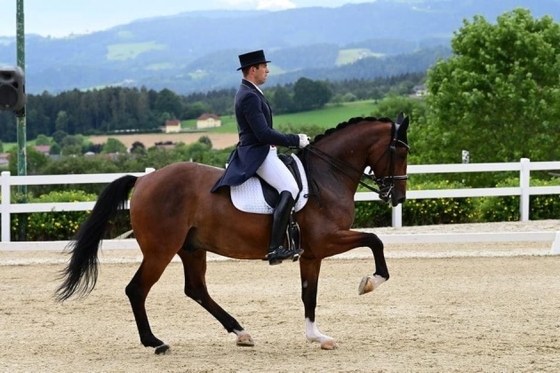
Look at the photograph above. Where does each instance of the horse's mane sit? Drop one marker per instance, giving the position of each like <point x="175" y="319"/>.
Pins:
<point x="303" y="154"/>
<point x="349" y="122"/>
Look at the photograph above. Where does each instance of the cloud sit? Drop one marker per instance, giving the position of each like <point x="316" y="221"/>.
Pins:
<point x="275" y="5"/>
<point x="261" y="4"/>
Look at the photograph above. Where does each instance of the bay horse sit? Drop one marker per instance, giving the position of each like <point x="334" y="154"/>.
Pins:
<point x="173" y="212"/>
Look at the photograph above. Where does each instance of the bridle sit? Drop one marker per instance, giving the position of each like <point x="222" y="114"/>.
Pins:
<point x="385" y="184"/>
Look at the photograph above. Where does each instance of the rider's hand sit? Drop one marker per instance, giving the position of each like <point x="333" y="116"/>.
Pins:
<point x="303" y="140"/>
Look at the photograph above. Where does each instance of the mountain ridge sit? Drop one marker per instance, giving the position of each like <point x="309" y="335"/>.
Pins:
<point x="197" y="51"/>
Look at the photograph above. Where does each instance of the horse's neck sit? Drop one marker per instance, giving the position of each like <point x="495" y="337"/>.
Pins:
<point x="338" y="170"/>
<point x="348" y="152"/>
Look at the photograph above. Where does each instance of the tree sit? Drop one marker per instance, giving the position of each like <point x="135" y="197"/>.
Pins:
<point x="391" y="106"/>
<point x="42" y="140"/>
<point x="498" y="95"/>
<point x="309" y="94"/>
<point x="282" y="101"/>
<point x="58" y="136"/>
<point x="72" y="145"/>
<point x="169" y="102"/>
<point x="196" y="109"/>
<point x="113" y="146"/>
<point x="206" y="141"/>
<point x="36" y="161"/>
<point x="62" y="121"/>
<point x="138" y="148"/>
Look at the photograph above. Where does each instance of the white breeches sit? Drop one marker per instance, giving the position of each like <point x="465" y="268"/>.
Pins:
<point x="275" y="172"/>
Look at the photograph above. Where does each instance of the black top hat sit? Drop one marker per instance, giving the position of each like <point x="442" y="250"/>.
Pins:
<point x="252" y="58"/>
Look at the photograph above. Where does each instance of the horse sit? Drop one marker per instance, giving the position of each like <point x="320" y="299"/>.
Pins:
<point x="173" y="212"/>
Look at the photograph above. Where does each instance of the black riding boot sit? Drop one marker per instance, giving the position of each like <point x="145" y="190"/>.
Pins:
<point x="280" y="217"/>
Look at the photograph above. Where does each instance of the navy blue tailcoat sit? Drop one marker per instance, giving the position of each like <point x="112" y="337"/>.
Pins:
<point x="256" y="135"/>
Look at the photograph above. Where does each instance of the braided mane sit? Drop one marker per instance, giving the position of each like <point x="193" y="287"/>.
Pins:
<point x="350" y="122"/>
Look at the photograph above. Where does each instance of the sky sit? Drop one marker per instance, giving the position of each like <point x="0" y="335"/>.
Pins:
<point x="60" y="18"/>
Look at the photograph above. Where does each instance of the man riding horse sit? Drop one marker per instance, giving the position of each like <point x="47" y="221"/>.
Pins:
<point x="256" y="152"/>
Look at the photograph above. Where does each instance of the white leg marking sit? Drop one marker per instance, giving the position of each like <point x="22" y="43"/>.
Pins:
<point x="377" y="280"/>
<point x="314" y="335"/>
<point x="243" y="338"/>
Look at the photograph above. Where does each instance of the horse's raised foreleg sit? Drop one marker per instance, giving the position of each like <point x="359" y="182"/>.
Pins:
<point x="194" y="265"/>
<point x="345" y="240"/>
<point x="309" y="271"/>
<point x="381" y="274"/>
<point x="137" y="291"/>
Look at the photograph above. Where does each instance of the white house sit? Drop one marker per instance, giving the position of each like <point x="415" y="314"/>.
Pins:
<point x="208" y="121"/>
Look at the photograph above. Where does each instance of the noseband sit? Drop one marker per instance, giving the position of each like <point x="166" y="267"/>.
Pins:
<point x="386" y="183"/>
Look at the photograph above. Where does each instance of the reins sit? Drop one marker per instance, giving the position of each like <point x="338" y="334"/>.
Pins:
<point x="342" y="166"/>
<point x="385" y="184"/>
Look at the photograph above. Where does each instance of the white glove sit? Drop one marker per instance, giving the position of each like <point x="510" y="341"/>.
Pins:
<point x="303" y="140"/>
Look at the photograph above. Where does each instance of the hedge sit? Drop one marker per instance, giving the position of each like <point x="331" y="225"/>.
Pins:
<point x="52" y="226"/>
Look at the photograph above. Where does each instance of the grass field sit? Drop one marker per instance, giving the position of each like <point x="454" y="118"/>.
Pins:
<point x="326" y="117"/>
<point x="329" y="116"/>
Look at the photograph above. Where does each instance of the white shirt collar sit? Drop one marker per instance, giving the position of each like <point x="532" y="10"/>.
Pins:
<point x="254" y="85"/>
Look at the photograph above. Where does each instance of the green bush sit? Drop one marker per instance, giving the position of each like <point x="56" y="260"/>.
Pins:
<point x="372" y="214"/>
<point x="419" y="211"/>
<point x="61" y="225"/>
<point x="438" y="210"/>
<point x="506" y="208"/>
<point x="51" y="226"/>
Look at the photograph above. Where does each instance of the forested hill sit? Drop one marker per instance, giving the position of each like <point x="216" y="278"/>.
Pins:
<point x="197" y="51"/>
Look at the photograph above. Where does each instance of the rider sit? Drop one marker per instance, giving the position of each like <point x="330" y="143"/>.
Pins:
<point x="256" y="152"/>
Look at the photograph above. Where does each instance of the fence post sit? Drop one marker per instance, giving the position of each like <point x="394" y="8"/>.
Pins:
<point x="5" y="205"/>
<point x="524" y="183"/>
<point x="555" y="248"/>
<point x="396" y="216"/>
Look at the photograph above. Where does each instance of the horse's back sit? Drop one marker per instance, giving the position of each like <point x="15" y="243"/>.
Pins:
<point x="168" y="193"/>
<point x="178" y="176"/>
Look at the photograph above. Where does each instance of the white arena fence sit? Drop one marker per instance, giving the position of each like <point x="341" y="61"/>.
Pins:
<point x="524" y="190"/>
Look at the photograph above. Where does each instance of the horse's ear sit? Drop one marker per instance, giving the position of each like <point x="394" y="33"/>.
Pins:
<point x="402" y="129"/>
<point x="404" y="124"/>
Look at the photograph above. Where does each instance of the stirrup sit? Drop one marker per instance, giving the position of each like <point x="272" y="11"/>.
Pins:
<point x="296" y="255"/>
<point x="290" y="254"/>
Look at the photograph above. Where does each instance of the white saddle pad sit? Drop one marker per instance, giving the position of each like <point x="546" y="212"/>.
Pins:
<point x="249" y="197"/>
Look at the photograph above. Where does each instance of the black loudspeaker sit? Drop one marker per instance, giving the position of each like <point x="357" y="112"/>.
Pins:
<point x="12" y="88"/>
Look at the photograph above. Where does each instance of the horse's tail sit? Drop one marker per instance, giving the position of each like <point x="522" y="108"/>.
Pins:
<point x="80" y="275"/>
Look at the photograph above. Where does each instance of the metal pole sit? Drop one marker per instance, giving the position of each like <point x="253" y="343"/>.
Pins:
<point x="21" y="119"/>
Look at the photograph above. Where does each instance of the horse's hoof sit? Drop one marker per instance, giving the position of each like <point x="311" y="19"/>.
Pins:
<point x="244" y="340"/>
<point x="370" y="283"/>
<point x="366" y="285"/>
<point x="162" y="350"/>
<point x="329" y="345"/>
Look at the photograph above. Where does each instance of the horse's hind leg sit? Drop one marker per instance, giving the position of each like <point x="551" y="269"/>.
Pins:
<point x="137" y="290"/>
<point x="194" y="265"/>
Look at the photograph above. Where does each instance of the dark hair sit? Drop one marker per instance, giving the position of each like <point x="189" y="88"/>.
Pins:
<point x="245" y="70"/>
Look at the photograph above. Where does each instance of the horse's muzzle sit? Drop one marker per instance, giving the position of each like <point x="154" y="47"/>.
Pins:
<point x="397" y="198"/>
